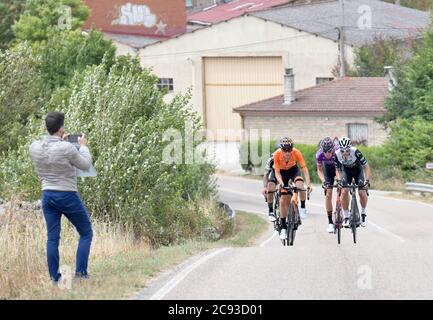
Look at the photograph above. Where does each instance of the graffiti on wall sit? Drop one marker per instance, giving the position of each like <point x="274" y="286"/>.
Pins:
<point x="134" y="15"/>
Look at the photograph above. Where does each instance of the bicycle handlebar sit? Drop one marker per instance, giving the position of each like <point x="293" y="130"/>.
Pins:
<point x="296" y="189"/>
<point x="352" y="186"/>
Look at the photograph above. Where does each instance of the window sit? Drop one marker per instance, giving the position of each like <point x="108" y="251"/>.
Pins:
<point x="358" y="133"/>
<point x="320" y="80"/>
<point x="189" y="3"/>
<point x="166" y="84"/>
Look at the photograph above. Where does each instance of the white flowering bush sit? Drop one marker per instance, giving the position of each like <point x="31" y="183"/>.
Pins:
<point x="124" y="117"/>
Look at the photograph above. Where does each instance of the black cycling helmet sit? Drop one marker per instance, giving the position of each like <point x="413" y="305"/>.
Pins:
<point x="286" y="144"/>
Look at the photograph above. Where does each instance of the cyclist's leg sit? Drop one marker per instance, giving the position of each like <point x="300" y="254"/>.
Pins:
<point x="285" y="197"/>
<point x="346" y="180"/>
<point x="271" y="186"/>
<point x="329" y="174"/>
<point x="363" y="199"/>
<point x="272" y="182"/>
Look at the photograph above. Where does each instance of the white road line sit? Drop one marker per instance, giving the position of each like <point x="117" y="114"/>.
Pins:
<point x="405" y="200"/>
<point x="162" y="292"/>
<point x="386" y="231"/>
<point x="268" y="240"/>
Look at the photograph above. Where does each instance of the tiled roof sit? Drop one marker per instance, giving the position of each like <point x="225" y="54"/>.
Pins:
<point x="233" y="9"/>
<point x="387" y="20"/>
<point x="354" y="96"/>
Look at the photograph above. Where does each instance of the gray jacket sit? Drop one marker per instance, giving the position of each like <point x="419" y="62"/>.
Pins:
<point x="56" y="160"/>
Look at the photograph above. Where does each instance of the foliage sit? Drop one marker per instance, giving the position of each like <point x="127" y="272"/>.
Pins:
<point x="413" y="95"/>
<point x="10" y="11"/>
<point x="371" y="59"/>
<point x="124" y="117"/>
<point x="42" y="17"/>
<point x="410" y="145"/>
<point x="20" y="93"/>
<point x="68" y="52"/>
<point x="415" y="4"/>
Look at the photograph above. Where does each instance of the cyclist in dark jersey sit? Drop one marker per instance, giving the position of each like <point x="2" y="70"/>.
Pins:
<point x="326" y="172"/>
<point x="270" y="183"/>
<point x="351" y="164"/>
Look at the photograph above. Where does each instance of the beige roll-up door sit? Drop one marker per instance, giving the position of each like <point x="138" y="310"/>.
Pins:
<point x="231" y="82"/>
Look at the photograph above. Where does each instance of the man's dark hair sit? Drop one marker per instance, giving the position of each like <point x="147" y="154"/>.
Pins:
<point x="54" y="121"/>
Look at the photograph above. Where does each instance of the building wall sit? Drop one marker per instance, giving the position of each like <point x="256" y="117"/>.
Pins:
<point x="138" y="17"/>
<point x="181" y="58"/>
<point x="310" y="130"/>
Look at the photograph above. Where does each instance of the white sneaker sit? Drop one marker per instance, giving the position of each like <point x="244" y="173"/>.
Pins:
<point x="303" y="213"/>
<point x="331" y="228"/>
<point x="363" y="220"/>
<point x="283" y="234"/>
<point x="272" y="217"/>
<point x="346" y="223"/>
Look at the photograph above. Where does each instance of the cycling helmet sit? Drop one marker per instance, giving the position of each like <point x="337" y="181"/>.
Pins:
<point x="345" y="143"/>
<point x="327" y="144"/>
<point x="286" y="144"/>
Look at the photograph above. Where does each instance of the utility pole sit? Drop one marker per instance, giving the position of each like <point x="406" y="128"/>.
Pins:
<point x="341" y="42"/>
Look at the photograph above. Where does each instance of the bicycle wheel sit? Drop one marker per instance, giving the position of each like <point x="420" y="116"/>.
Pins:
<point x="354" y="213"/>
<point x="291" y="230"/>
<point x="338" y="222"/>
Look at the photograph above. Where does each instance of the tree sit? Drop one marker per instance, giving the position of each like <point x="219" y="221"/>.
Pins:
<point x="413" y="95"/>
<point x="41" y="17"/>
<point x="65" y="53"/>
<point x="124" y="116"/>
<point x="10" y="11"/>
<point x="20" y="94"/>
<point x="371" y="59"/>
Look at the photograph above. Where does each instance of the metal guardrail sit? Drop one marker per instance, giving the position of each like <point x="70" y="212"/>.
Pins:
<point x="419" y="187"/>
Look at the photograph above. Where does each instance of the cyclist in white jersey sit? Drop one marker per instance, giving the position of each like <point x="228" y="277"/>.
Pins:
<point x="350" y="163"/>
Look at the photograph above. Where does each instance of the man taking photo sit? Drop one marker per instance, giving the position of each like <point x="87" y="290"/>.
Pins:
<point x="55" y="161"/>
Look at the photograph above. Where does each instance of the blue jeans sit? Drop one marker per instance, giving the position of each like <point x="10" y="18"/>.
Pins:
<point x="54" y="204"/>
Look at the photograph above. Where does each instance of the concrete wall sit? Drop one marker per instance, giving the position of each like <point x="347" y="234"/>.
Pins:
<point x="181" y="58"/>
<point x="310" y="130"/>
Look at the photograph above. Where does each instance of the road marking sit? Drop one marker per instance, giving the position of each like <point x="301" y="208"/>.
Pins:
<point x="406" y="200"/>
<point x="386" y="231"/>
<point x="268" y="240"/>
<point x="162" y="292"/>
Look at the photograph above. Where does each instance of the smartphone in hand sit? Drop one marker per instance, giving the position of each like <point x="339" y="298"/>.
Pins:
<point x="73" y="138"/>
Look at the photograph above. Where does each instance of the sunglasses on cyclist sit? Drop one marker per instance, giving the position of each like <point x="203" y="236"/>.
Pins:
<point x="345" y="150"/>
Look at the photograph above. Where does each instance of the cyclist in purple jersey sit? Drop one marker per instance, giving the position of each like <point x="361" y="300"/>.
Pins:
<point x="326" y="172"/>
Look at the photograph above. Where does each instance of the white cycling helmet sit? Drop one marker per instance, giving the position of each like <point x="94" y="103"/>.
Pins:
<point x="345" y="143"/>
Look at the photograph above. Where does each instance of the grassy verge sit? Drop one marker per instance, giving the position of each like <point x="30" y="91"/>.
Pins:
<point x="119" y="266"/>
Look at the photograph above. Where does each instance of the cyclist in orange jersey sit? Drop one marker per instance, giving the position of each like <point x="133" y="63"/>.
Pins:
<point x="286" y="160"/>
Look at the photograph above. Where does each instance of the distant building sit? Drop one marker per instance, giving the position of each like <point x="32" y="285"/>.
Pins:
<point x="242" y="60"/>
<point x="150" y="18"/>
<point x="342" y="107"/>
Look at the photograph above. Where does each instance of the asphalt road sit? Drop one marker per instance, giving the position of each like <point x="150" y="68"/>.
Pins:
<point x="393" y="258"/>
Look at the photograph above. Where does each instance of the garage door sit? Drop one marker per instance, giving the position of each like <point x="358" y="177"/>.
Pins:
<point x="231" y="82"/>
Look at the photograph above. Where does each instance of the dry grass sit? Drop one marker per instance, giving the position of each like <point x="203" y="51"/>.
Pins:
<point x="119" y="265"/>
<point x="23" y="252"/>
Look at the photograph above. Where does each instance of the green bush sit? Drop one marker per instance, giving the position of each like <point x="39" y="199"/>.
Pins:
<point x="20" y="93"/>
<point x="125" y="117"/>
